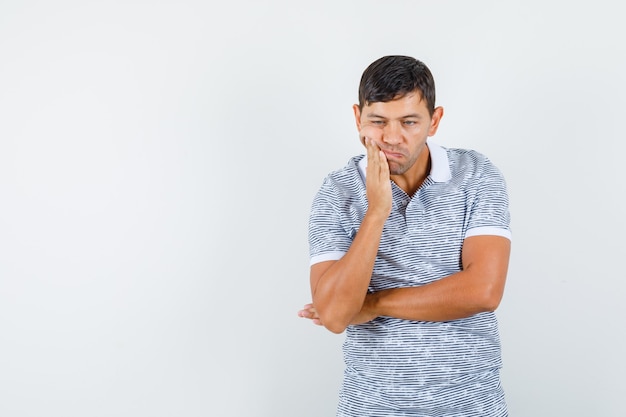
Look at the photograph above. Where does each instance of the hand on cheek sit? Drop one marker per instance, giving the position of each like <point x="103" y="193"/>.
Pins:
<point x="371" y="132"/>
<point x="377" y="184"/>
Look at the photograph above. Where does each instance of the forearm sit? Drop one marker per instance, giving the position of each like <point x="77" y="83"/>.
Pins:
<point x="454" y="297"/>
<point x="477" y="288"/>
<point x="339" y="293"/>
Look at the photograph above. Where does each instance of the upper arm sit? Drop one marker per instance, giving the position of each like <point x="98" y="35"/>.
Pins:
<point x="486" y="257"/>
<point x="328" y="239"/>
<point x="487" y="245"/>
<point x="317" y="270"/>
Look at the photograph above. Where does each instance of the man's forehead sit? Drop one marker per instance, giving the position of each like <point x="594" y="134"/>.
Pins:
<point x="405" y="105"/>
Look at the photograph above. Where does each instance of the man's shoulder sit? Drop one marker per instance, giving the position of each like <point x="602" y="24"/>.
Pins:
<point x="465" y="154"/>
<point x="349" y="173"/>
<point x="344" y="184"/>
<point x="469" y="161"/>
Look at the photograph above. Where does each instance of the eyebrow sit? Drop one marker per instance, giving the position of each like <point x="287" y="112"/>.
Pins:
<point x="408" y="116"/>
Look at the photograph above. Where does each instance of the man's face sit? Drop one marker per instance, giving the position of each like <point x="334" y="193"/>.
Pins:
<point x="399" y="127"/>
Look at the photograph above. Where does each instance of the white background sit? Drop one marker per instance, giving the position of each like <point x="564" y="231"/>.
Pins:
<point x="158" y="161"/>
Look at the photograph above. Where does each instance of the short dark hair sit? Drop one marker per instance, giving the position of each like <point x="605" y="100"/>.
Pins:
<point x="395" y="76"/>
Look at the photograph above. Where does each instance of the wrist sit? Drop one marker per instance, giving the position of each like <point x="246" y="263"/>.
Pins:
<point x="370" y="305"/>
<point x="376" y="216"/>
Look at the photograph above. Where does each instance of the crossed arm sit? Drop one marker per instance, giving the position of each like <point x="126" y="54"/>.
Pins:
<point x="339" y="298"/>
<point x="339" y="288"/>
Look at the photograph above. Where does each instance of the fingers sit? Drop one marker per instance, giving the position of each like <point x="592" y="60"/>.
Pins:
<point x="309" y="312"/>
<point x="373" y="149"/>
<point x="375" y="156"/>
<point x="376" y="159"/>
<point x="377" y="182"/>
<point x="373" y="133"/>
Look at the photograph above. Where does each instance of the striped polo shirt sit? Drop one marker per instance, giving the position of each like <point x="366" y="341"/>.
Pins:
<point x="400" y="367"/>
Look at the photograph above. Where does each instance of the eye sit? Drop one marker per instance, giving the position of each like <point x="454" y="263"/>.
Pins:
<point x="378" y="122"/>
<point x="410" y="122"/>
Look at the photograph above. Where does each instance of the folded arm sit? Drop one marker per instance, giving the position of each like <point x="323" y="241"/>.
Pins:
<point x="478" y="288"/>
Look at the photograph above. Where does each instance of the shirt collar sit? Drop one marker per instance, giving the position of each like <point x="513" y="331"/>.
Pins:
<point x="439" y="163"/>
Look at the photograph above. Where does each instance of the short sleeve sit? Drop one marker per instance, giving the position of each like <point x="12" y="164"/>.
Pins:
<point x="490" y="207"/>
<point x="328" y="239"/>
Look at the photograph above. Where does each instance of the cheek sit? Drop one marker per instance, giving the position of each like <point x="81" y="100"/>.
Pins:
<point x="414" y="132"/>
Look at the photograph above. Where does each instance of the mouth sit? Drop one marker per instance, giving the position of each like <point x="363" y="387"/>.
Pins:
<point x="393" y="155"/>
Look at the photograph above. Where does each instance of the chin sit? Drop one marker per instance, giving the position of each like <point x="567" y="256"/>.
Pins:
<point x="397" y="170"/>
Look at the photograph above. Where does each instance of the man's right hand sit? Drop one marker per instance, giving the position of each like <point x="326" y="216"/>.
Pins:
<point x="377" y="181"/>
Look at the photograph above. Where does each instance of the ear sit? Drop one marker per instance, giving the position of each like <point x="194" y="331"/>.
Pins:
<point x="357" y="116"/>
<point x="434" y="121"/>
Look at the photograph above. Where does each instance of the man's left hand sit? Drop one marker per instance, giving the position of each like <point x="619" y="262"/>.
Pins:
<point x="309" y="312"/>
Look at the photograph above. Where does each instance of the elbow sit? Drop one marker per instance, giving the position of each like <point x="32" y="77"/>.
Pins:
<point x="491" y="304"/>
<point x="334" y="322"/>
<point x="335" y="318"/>
<point x="334" y="325"/>
<point x="490" y="298"/>
<point x="337" y="329"/>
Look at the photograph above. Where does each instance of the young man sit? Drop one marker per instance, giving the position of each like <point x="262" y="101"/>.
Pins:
<point x="409" y="254"/>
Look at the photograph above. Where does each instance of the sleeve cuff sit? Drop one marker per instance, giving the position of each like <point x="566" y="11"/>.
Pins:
<point x="494" y="231"/>
<point x="328" y="256"/>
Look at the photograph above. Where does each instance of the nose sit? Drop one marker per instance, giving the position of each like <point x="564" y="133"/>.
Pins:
<point x="392" y="134"/>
